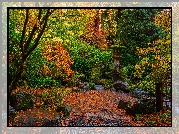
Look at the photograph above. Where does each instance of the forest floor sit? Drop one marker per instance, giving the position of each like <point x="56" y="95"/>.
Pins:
<point x="88" y="108"/>
<point x="98" y="108"/>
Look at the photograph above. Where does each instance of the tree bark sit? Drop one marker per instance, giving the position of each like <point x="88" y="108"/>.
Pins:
<point x="159" y="96"/>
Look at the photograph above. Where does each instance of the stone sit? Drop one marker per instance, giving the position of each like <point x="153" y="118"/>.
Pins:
<point x="122" y="104"/>
<point x="86" y="87"/>
<point x="113" y="89"/>
<point x="65" y="109"/>
<point x="120" y="85"/>
<point x="140" y="93"/>
<point x="137" y="91"/>
<point x="11" y="110"/>
<point x="98" y="87"/>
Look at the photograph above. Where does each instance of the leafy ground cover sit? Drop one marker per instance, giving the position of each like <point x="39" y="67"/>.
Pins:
<point x="89" y="108"/>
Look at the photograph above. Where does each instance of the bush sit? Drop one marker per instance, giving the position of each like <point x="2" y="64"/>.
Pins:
<point x="43" y="82"/>
<point x="148" y="86"/>
<point x="51" y="98"/>
<point x="96" y="75"/>
<point x="22" y="100"/>
<point x="88" y="58"/>
<point x="82" y="66"/>
<point x="76" y="77"/>
<point x="107" y="83"/>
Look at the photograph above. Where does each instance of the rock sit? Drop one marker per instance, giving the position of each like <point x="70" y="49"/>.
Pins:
<point x="142" y="107"/>
<point x="65" y="109"/>
<point x="98" y="87"/>
<point x="167" y="103"/>
<point x="143" y="94"/>
<point x="86" y="87"/>
<point x="22" y="100"/>
<point x="113" y="89"/>
<point x="119" y="85"/>
<point x="137" y="91"/>
<point x="11" y="110"/>
<point x="140" y="93"/>
<point x="123" y="105"/>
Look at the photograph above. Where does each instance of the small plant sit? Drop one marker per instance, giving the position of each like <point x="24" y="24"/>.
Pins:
<point x="76" y="77"/>
<point x="91" y="84"/>
<point x="107" y="83"/>
<point x="138" y="116"/>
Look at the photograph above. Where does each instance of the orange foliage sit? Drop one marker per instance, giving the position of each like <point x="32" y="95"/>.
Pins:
<point x="61" y="58"/>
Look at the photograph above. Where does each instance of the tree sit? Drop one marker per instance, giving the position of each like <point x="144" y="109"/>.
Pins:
<point x="136" y="29"/>
<point x="156" y="58"/>
<point x="30" y="27"/>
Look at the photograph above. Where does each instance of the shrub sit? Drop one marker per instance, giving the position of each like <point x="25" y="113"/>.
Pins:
<point x="107" y="83"/>
<point x="43" y="82"/>
<point x="145" y="85"/>
<point x="74" y="80"/>
<point x="88" y="58"/>
<point x="51" y="98"/>
<point x="22" y="100"/>
<point x="82" y="66"/>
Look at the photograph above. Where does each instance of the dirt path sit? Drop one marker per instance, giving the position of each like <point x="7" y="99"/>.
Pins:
<point x="98" y="108"/>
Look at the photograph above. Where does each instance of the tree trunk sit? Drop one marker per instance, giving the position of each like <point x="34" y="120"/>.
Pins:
<point x="18" y="75"/>
<point x="159" y="96"/>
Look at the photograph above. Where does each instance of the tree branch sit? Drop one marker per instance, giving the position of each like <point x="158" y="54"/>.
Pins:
<point x="40" y="34"/>
<point x="47" y="15"/>
<point x="32" y="33"/>
<point x="23" y="32"/>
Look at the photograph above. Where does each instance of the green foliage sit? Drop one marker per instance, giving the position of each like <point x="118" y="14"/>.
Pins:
<point x="155" y="60"/>
<point x="91" y="85"/>
<point x="88" y="58"/>
<point x="82" y="66"/>
<point x="74" y="80"/>
<point x="137" y="28"/>
<point x="127" y="73"/>
<point x="22" y="100"/>
<point x="146" y="85"/>
<point x="51" y="98"/>
<point x="34" y="62"/>
<point x="107" y="83"/>
<point x="43" y="82"/>
<point x="96" y="75"/>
